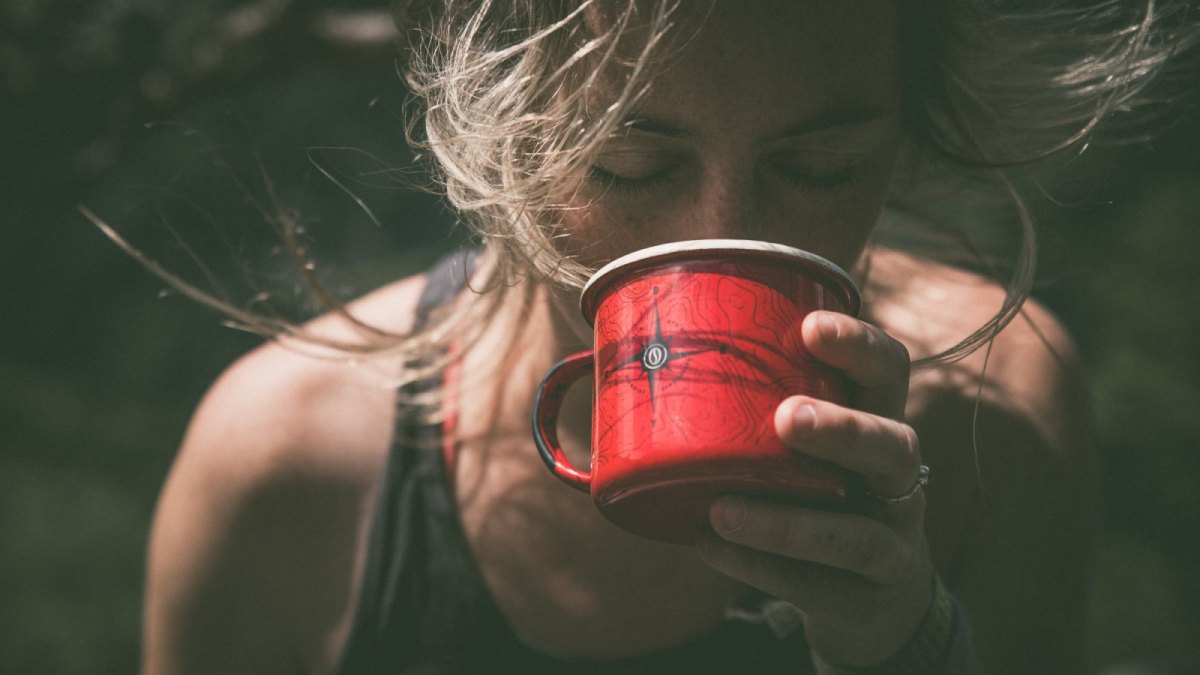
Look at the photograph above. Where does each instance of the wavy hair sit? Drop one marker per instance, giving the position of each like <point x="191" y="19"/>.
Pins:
<point x="991" y="85"/>
<point x="500" y="105"/>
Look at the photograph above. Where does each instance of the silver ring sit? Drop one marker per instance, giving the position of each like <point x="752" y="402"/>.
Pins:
<point x="922" y="480"/>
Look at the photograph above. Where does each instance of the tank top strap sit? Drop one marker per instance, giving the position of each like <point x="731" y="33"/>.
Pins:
<point x="422" y="605"/>
<point x="444" y="280"/>
<point x="420" y="588"/>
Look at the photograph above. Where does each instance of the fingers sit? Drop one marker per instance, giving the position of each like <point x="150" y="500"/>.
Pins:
<point x="846" y="616"/>
<point x="871" y="359"/>
<point x="860" y="578"/>
<point x="884" y="451"/>
<point x="821" y="591"/>
<point x="852" y="543"/>
<point x="862" y="586"/>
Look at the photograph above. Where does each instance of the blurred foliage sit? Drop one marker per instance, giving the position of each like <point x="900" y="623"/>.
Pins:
<point x="1127" y="288"/>
<point x="187" y="126"/>
<point x="191" y="126"/>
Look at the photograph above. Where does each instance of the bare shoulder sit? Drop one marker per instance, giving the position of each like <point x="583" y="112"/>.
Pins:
<point x="293" y="407"/>
<point x="1030" y="369"/>
<point x="291" y="410"/>
<point x="253" y="549"/>
<point x="1007" y="432"/>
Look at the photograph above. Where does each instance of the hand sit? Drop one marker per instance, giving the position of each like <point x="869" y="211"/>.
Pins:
<point x="863" y="580"/>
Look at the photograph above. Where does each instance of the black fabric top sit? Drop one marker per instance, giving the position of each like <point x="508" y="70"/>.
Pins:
<point x="423" y="608"/>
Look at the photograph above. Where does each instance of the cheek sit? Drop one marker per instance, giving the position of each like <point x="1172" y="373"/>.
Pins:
<point x="838" y="226"/>
<point x="835" y="224"/>
<point x="837" y="232"/>
<point x="596" y="234"/>
<point x="603" y="228"/>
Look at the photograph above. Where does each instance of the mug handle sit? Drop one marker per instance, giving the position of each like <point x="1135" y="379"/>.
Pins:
<point x="546" y="405"/>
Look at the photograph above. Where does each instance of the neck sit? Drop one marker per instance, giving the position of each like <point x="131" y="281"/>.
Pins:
<point x="567" y="580"/>
<point x="571" y="333"/>
<point x="534" y="328"/>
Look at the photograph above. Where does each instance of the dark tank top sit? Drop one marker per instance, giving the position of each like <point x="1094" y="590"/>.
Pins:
<point x="422" y="606"/>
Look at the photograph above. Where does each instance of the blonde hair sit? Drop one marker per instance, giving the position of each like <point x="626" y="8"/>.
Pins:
<point x="990" y="85"/>
<point x="999" y="86"/>
<point x="501" y="92"/>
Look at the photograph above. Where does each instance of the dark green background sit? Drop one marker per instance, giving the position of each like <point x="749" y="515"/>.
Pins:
<point x="120" y="106"/>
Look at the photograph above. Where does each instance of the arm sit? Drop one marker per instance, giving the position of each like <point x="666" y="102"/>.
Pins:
<point x="1026" y="566"/>
<point x="252" y="550"/>
<point x="1011" y="516"/>
<point x="255" y="541"/>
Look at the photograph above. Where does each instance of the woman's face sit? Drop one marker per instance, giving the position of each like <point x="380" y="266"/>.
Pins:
<point x="779" y="121"/>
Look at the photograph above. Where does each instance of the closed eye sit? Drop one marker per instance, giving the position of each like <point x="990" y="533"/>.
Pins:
<point x="824" y="179"/>
<point x="816" y="169"/>
<point x="631" y="184"/>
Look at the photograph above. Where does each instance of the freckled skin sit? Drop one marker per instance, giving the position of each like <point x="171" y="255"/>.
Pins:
<point x="805" y="60"/>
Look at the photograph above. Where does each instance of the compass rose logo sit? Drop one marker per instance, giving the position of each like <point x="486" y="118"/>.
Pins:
<point x="656" y="356"/>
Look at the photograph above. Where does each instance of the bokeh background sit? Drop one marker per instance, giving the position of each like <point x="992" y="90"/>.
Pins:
<point x="192" y="127"/>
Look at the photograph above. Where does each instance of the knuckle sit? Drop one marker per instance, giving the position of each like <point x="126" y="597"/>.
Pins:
<point x="891" y="451"/>
<point x="910" y="450"/>
<point x="904" y="455"/>
<point x="895" y="364"/>
<point x="889" y="358"/>
<point x="900" y="354"/>
<point x="851" y="428"/>
<point x="877" y="342"/>
<point x="863" y="334"/>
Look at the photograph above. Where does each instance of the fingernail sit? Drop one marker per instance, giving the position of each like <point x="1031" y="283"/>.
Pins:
<point x="829" y="327"/>
<point x="731" y="514"/>
<point x="804" y="418"/>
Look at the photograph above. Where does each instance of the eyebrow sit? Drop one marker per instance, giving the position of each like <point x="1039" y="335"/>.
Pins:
<point x="828" y="119"/>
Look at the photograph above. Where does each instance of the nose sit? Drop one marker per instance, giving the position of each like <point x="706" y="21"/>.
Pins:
<point x="727" y="206"/>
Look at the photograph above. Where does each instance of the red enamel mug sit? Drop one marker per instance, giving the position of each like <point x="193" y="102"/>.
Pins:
<point x="696" y="343"/>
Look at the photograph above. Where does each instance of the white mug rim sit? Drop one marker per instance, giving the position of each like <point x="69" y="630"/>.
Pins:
<point x="689" y="248"/>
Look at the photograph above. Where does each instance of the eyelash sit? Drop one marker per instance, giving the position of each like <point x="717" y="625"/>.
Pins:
<point x="829" y="182"/>
<point x="615" y="183"/>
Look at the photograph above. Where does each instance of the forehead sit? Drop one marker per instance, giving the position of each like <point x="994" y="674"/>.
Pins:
<point x="769" y="62"/>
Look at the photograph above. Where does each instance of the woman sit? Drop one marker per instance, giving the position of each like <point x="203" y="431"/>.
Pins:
<point x="569" y="134"/>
